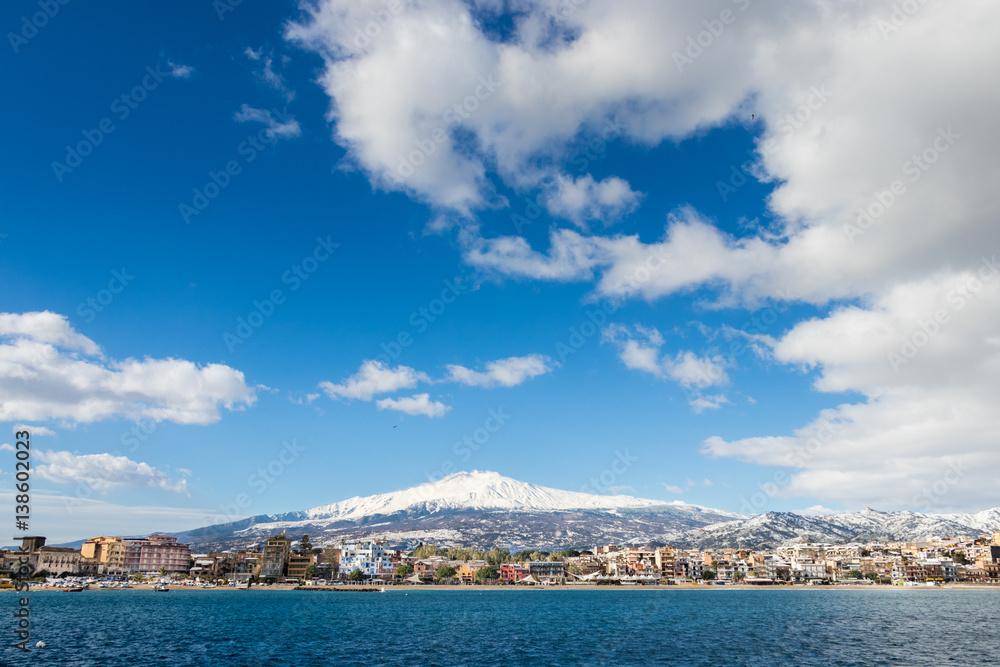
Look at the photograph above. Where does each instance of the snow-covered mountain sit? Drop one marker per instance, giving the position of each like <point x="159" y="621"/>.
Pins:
<point x="486" y="509"/>
<point x="473" y="508"/>
<point x="779" y="528"/>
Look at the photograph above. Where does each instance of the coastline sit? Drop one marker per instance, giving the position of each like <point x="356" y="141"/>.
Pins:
<point x="554" y="587"/>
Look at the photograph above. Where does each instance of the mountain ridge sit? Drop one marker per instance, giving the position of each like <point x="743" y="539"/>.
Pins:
<point x="486" y="509"/>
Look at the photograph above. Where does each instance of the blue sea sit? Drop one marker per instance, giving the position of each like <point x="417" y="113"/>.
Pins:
<point x="512" y="627"/>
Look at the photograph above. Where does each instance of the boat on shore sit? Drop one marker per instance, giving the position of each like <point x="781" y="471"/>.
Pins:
<point x="73" y="589"/>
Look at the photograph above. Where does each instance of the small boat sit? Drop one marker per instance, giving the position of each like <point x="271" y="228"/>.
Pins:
<point x="160" y="588"/>
<point x="73" y="589"/>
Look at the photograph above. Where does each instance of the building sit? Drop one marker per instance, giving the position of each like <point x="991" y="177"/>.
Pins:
<point x="371" y="557"/>
<point x="297" y="566"/>
<point x="466" y="570"/>
<point x="57" y="561"/>
<point x="511" y="573"/>
<point x="156" y="552"/>
<point x="107" y="552"/>
<point x="274" y="558"/>
<point x="543" y="569"/>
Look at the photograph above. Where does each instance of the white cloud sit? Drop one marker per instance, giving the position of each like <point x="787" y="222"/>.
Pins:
<point x="925" y="435"/>
<point x="33" y="430"/>
<point x="279" y="123"/>
<point x="700" y="402"/>
<point x="374" y="377"/>
<point x="639" y="349"/>
<point x="267" y="73"/>
<point x="102" y="472"/>
<point x="48" y="371"/>
<point x="583" y="199"/>
<point x="504" y="372"/>
<point x="673" y="489"/>
<point x="845" y="108"/>
<point x="419" y="404"/>
<point x="179" y="71"/>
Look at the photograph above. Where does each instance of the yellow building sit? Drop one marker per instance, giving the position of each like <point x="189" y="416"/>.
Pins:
<point x="297" y="566"/>
<point x="466" y="571"/>
<point x="108" y="552"/>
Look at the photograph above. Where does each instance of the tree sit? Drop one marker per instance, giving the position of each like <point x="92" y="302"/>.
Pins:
<point x="872" y="576"/>
<point x="305" y="546"/>
<point x="427" y="550"/>
<point x="960" y="557"/>
<point x="403" y="571"/>
<point x="854" y="574"/>
<point x="163" y="572"/>
<point x="445" y="572"/>
<point x="356" y="575"/>
<point x="739" y="575"/>
<point x="574" y="569"/>
<point x="865" y="553"/>
<point x="311" y="571"/>
<point x="708" y="575"/>
<point x="487" y="574"/>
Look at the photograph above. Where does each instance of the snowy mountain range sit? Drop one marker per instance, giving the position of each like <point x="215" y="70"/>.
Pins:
<point x="486" y="509"/>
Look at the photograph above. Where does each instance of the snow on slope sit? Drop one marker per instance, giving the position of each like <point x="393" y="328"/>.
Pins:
<point x="481" y="491"/>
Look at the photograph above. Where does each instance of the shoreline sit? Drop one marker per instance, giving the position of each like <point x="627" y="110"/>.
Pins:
<point x="554" y="587"/>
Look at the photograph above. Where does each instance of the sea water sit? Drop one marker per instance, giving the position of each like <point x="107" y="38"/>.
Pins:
<point x="512" y="627"/>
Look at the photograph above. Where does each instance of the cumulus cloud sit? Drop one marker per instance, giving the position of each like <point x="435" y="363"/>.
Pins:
<point x="503" y="372"/>
<point x="102" y="472"/>
<point x="925" y="435"/>
<point x="883" y="163"/>
<point x="33" y="430"/>
<point x="639" y="349"/>
<point x="583" y="199"/>
<point x="279" y="123"/>
<point x="374" y="377"/>
<point x="420" y="404"/>
<point x="49" y="371"/>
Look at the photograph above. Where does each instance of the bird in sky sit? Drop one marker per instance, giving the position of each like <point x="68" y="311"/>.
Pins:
<point x="751" y="116"/>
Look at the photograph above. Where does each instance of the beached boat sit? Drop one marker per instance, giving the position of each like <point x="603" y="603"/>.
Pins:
<point x="73" y="589"/>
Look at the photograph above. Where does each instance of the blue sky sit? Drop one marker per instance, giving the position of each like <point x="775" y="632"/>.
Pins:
<point x="581" y="173"/>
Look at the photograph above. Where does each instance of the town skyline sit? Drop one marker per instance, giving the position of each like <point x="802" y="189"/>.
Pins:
<point x="312" y="251"/>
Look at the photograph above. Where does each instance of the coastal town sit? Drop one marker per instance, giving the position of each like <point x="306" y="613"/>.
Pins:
<point x="281" y="561"/>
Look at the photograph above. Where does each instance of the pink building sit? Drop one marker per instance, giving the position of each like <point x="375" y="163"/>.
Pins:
<point x="151" y="553"/>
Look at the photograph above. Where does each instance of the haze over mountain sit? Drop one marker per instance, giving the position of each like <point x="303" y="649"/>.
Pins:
<point x="486" y="509"/>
